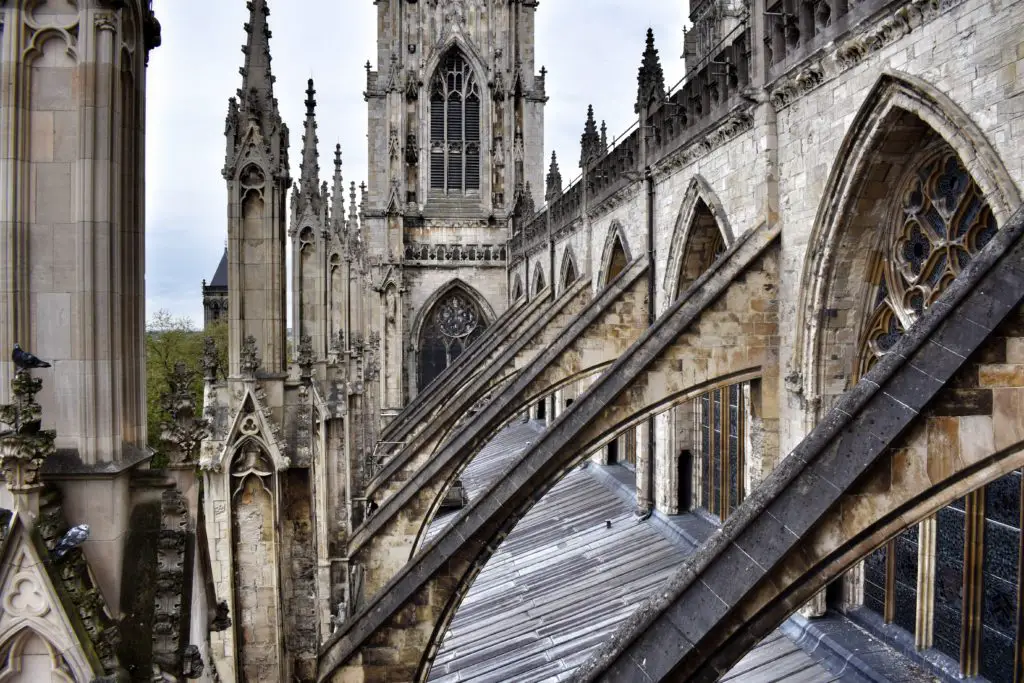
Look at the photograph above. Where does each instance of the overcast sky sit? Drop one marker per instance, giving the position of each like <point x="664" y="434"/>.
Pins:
<point x="591" y="48"/>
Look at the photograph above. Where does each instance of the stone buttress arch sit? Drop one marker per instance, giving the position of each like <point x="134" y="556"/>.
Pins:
<point x="896" y="101"/>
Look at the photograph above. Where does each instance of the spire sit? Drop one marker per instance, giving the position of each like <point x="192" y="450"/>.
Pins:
<point x="651" y="78"/>
<point x="257" y="91"/>
<point x="554" y="180"/>
<point x="590" y="141"/>
<point x="309" y="169"/>
<point x="604" y="136"/>
<point x="338" y="193"/>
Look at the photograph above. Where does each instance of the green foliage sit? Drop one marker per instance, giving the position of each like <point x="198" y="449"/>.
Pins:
<point x="170" y="340"/>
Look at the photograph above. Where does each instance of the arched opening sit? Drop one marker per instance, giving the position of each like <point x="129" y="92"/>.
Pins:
<point x="619" y="259"/>
<point x="538" y="280"/>
<point x="951" y="581"/>
<point x="568" y="269"/>
<point x="517" y="288"/>
<point x="703" y="245"/>
<point x="452" y="324"/>
<point x="30" y="657"/>
<point x="454" y="126"/>
<point x="902" y="216"/>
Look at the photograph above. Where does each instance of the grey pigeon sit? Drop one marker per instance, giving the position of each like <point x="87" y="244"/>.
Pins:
<point x="75" y="537"/>
<point x="25" y="360"/>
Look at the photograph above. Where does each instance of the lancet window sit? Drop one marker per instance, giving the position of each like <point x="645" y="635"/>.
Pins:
<point x="721" y="450"/>
<point x="455" y="127"/>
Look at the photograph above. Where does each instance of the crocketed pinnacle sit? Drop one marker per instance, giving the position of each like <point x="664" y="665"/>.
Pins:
<point x="338" y="194"/>
<point x="257" y="91"/>
<point x="651" y="78"/>
<point x="554" y="179"/>
<point x="590" y="141"/>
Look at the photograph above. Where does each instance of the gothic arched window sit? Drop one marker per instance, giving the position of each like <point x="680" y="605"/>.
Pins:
<point x="452" y="325"/>
<point x="454" y="126"/>
<point x="963" y="601"/>
<point x="941" y="222"/>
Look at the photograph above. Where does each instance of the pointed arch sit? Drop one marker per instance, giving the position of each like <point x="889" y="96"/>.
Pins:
<point x="899" y="119"/>
<point x="615" y="255"/>
<point x="517" y="287"/>
<point x="569" y="271"/>
<point x="450" y="320"/>
<point x="539" y="282"/>
<point x="31" y="656"/>
<point x="701" y="230"/>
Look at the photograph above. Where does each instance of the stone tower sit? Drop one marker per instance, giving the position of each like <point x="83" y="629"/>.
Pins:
<point x="456" y="115"/>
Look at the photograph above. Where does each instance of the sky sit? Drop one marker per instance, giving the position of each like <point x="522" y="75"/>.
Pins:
<point x="591" y="48"/>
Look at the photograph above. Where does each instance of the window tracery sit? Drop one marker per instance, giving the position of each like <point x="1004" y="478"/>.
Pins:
<point x="941" y="222"/>
<point x="454" y="323"/>
<point x="455" y="126"/>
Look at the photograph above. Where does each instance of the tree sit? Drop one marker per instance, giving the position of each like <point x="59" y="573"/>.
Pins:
<point x="171" y="340"/>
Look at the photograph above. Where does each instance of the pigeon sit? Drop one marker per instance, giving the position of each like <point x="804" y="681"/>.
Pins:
<point x="75" y="537"/>
<point x="25" y="360"/>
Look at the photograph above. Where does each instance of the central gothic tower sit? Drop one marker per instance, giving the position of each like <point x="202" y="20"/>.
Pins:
<point x="456" y="138"/>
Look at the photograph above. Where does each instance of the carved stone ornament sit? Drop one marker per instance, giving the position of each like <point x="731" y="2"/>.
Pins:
<point x="305" y="356"/>
<point x="221" y="620"/>
<point x="183" y="433"/>
<point x="23" y="445"/>
<point x="192" y="665"/>
<point x="210" y="360"/>
<point x="250" y="358"/>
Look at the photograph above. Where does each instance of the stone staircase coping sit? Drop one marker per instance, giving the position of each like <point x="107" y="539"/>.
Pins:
<point x="861" y="427"/>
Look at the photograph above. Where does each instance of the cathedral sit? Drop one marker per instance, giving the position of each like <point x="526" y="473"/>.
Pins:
<point x="745" y="401"/>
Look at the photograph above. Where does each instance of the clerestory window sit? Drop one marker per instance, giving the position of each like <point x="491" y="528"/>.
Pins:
<point x="454" y="127"/>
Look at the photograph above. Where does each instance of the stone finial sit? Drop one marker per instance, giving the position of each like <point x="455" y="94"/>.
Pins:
<point x="23" y="445"/>
<point x="210" y="359"/>
<point x="651" y="78"/>
<point x="554" y="180"/>
<point x="305" y="356"/>
<point x="250" y="358"/>
<point x="183" y="433"/>
<point x="604" y="136"/>
<point x="590" y="141"/>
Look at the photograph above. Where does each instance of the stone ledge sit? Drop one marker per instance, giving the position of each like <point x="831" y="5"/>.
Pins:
<point x="67" y="464"/>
